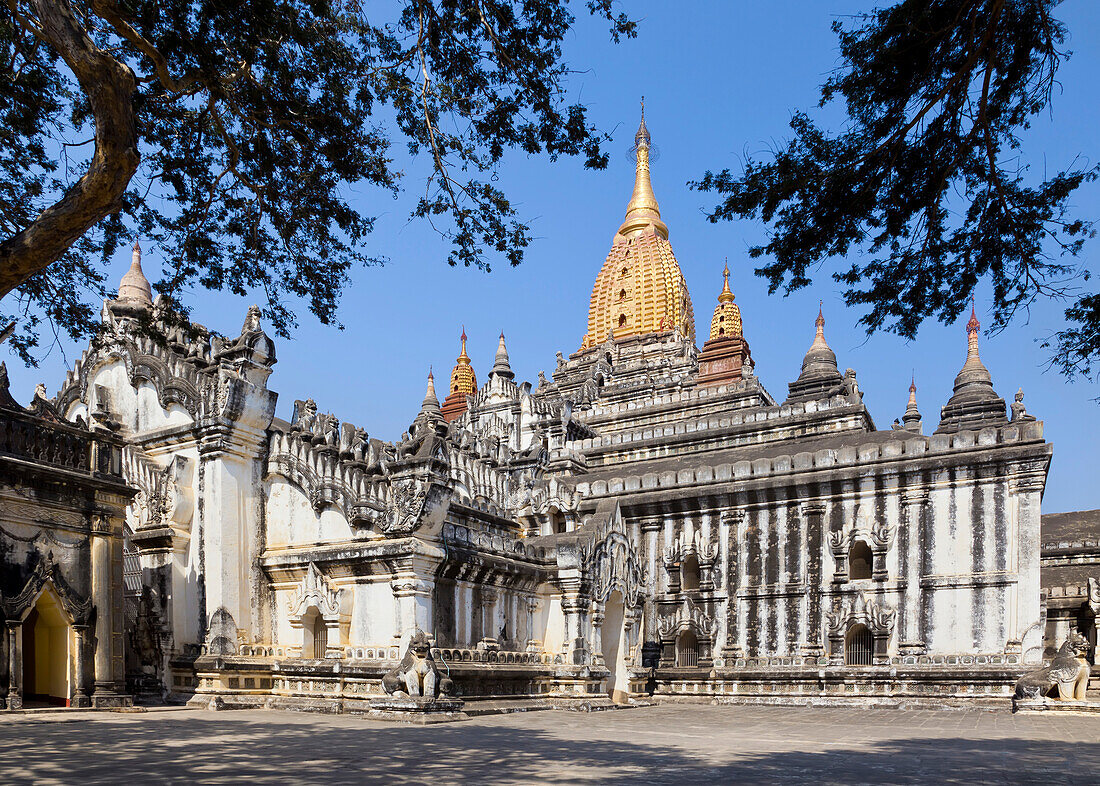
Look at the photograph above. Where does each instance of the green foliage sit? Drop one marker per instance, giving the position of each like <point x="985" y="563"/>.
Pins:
<point x="256" y="119"/>
<point x="924" y="186"/>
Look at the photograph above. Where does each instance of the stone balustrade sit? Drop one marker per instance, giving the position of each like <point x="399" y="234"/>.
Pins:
<point x="62" y="445"/>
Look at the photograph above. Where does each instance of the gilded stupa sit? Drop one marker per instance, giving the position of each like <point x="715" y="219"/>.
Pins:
<point x="727" y="316"/>
<point x="463" y="384"/>
<point x="640" y="288"/>
<point x="725" y="357"/>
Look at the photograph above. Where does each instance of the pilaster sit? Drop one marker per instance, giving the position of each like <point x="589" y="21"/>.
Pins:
<point x="813" y="517"/>
<point x="914" y="503"/>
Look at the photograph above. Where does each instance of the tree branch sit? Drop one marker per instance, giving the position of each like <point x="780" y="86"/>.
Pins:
<point x="107" y="10"/>
<point x="109" y="86"/>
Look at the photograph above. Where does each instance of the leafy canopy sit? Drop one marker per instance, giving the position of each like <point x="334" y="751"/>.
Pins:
<point x="925" y="181"/>
<point x="232" y="133"/>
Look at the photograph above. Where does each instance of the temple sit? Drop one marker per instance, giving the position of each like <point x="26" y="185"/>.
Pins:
<point x="648" y="523"/>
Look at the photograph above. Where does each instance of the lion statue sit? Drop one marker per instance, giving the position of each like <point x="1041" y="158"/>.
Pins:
<point x="417" y="676"/>
<point x="1068" y="672"/>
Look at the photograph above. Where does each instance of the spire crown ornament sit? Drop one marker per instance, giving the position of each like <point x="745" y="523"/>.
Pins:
<point x="642" y="212"/>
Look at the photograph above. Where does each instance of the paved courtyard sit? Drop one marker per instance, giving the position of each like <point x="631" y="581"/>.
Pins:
<point x="666" y="744"/>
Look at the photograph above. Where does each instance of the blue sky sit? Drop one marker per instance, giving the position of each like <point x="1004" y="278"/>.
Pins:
<point x="720" y="79"/>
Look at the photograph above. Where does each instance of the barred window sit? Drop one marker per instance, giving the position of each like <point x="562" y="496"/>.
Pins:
<point x="687" y="650"/>
<point x="858" y="646"/>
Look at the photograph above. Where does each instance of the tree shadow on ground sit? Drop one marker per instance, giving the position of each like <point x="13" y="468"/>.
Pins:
<point x="275" y="748"/>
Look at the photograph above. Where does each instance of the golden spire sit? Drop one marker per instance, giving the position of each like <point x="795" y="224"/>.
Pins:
<point x="643" y="210"/>
<point x="463" y="384"/>
<point x="726" y="322"/>
<point x="725" y="296"/>
<point x="463" y="379"/>
<point x="640" y="288"/>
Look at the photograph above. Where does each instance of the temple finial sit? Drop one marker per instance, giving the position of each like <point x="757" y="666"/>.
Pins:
<point x="430" y="405"/>
<point x="973" y="326"/>
<point x="501" y="366"/>
<point x="643" y="212"/>
<point x="134" y="286"/>
<point x="726" y="295"/>
<point x="643" y="132"/>
<point x="912" y="418"/>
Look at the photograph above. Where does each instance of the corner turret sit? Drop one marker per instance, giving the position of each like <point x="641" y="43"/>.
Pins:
<point x="974" y="404"/>
<point x="820" y="376"/>
<point x="726" y="352"/>
<point x="911" y="421"/>
<point x="501" y="367"/>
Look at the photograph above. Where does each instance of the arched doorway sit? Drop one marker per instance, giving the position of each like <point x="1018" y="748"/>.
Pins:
<point x="47" y="638"/>
<point x="314" y="634"/>
<point x="614" y="652"/>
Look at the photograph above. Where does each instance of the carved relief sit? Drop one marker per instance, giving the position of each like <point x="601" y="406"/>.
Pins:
<point x="687" y="616"/>
<point x="617" y="568"/>
<point x="314" y="590"/>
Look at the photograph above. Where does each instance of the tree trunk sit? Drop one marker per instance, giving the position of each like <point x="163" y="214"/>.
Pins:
<point x="109" y="87"/>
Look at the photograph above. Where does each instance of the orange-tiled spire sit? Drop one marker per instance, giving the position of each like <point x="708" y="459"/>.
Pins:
<point x="973" y="327"/>
<point x="727" y="316"/>
<point x="640" y="288"/>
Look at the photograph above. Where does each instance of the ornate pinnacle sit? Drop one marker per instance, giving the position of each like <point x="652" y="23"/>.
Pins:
<point x="430" y="404"/>
<point x="643" y="132"/>
<point x="973" y="327"/>
<point x="501" y="366"/>
<point x="643" y="209"/>
<point x="726" y="296"/>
